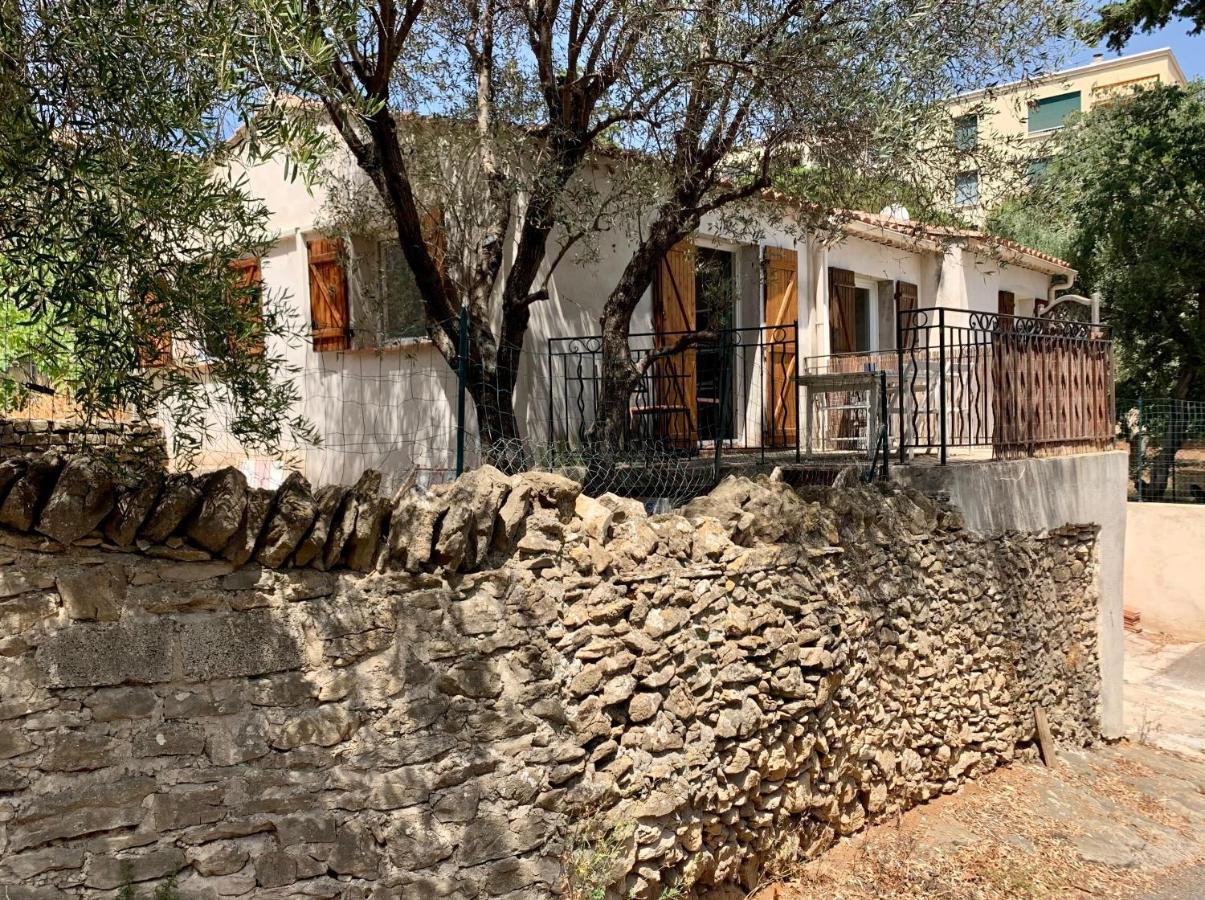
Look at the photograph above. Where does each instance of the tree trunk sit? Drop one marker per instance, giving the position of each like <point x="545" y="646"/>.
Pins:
<point x="620" y="376"/>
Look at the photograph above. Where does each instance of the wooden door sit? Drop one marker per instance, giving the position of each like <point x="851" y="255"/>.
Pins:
<point x="673" y="413"/>
<point x="330" y="320"/>
<point x="782" y="312"/>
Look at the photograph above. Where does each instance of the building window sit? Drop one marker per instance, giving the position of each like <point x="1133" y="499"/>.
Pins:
<point x="966" y="189"/>
<point x="966" y="133"/>
<point x="1037" y="170"/>
<point x="1051" y="112"/>
<point x="401" y="305"/>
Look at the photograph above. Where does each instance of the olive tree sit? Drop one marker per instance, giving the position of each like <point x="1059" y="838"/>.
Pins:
<point x="116" y="237"/>
<point x="691" y="109"/>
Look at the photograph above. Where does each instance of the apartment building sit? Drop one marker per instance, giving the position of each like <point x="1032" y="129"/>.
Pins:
<point x="1020" y="120"/>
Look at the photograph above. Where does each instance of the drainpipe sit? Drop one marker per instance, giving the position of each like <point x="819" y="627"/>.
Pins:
<point x="1056" y="282"/>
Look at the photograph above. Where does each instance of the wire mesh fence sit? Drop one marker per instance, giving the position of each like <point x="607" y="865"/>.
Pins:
<point x="422" y="410"/>
<point x="1165" y="439"/>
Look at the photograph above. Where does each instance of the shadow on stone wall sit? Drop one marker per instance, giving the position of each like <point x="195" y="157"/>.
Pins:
<point x="457" y="693"/>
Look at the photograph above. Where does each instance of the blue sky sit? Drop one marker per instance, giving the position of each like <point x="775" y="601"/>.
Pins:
<point x="1189" y="50"/>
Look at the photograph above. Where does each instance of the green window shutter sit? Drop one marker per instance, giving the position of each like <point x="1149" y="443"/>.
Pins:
<point x="966" y="132"/>
<point x="1051" y="112"/>
<point x="966" y="189"/>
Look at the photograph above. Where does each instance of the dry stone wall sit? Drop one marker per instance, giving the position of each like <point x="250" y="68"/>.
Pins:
<point x="500" y="688"/>
<point x="129" y="440"/>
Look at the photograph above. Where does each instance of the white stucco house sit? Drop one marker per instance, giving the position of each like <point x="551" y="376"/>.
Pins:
<point x="379" y="394"/>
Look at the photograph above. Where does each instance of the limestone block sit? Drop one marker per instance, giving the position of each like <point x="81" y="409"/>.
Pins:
<point x="137" y="493"/>
<point x="94" y="593"/>
<point x="81" y="499"/>
<point x="242" y="544"/>
<point x="107" y="874"/>
<point x="95" y="655"/>
<point x="179" y="497"/>
<point x="290" y="520"/>
<point x="29" y="491"/>
<point x="231" y="645"/>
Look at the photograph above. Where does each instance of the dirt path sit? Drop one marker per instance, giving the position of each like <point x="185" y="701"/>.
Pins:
<point x="1121" y="821"/>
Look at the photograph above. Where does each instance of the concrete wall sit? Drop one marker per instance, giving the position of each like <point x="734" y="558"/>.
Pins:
<point x="1037" y="494"/>
<point x="1165" y="549"/>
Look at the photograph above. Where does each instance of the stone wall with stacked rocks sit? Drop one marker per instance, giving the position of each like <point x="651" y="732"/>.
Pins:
<point x="128" y="440"/>
<point x="500" y="688"/>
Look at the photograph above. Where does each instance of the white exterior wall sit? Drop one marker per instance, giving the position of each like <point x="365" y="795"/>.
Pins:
<point x="968" y="280"/>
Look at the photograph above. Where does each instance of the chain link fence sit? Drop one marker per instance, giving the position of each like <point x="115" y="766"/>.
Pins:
<point x="1165" y="439"/>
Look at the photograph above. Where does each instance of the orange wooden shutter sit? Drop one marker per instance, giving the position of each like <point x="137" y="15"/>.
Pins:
<point x="153" y="341"/>
<point x="249" y="278"/>
<point x="330" y="319"/>
<point x="676" y="377"/>
<point x="842" y="306"/>
<point x="906" y="298"/>
<point x="782" y="311"/>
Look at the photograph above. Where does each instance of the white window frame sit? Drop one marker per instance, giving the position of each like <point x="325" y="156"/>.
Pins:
<point x="871" y="286"/>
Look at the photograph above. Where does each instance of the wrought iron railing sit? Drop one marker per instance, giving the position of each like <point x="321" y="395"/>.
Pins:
<point x="1019" y="386"/>
<point x="730" y="389"/>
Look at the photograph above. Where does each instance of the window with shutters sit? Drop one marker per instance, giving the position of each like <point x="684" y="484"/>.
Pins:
<point x="966" y="189"/>
<point x="249" y="297"/>
<point x="1049" y="113"/>
<point x="966" y="133"/>
<point x="400" y="314"/>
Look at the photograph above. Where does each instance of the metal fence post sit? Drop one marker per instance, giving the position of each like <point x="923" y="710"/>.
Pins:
<point x="725" y="386"/>
<point x="462" y="365"/>
<point x="941" y="378"/>
<point x="795" y="387"/>
<point x="885" y="427"/>
<point x="899" y="374"/>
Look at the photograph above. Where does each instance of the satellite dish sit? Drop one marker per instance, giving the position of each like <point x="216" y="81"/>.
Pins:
<point x="897" y="212"/>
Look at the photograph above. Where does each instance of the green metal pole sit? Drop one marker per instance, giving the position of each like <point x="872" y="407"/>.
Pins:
<point x="462" y="365"/>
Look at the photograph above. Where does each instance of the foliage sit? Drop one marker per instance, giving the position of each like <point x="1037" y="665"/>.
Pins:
<point x="1019" y="219"/>
<point x="1117" y="22"/>
<point x="494" y="134"/>
<point x="118" y="222"/>
<point x="597" y="853"/>
<point x="1131" y="187"/>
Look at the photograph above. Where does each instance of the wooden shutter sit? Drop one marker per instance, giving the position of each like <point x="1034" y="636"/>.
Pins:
<point x="906" y="298"/>
<point x="248" y="280"/>
<point x="675" y="378"/>
<point x="154" y="341"/>
<point x="782" y="313"/>
<point x="330" y="319"/>
<point x="1006" y="305"/>
<point x="842" y="306"/>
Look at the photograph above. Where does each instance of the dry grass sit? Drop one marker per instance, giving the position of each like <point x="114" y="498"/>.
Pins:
<point x="1004" y="847"/>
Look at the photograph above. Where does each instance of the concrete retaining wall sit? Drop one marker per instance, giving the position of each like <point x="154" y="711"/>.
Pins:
<point x="1165" y="567"/>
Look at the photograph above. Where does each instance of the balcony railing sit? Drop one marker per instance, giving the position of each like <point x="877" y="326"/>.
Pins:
<point x="1010" y="385"/>
<point x="729" y="389"/>
<point x="1020" y="386"/>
